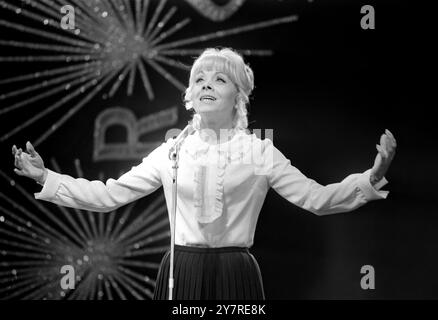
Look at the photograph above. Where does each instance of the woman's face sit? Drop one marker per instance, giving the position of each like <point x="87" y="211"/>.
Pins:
<point x="213" y="91"/>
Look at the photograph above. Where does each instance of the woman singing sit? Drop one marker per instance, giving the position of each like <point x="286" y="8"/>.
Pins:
<point x="223" y="177"/>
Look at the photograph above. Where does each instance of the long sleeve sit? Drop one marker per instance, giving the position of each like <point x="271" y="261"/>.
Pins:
<point x="351" y="193"/>
<point x="95" y="195"/>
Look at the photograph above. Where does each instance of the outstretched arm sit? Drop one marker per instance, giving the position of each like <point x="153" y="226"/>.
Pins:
<point x="349" y="194"/>
<point x="95" y="195"/>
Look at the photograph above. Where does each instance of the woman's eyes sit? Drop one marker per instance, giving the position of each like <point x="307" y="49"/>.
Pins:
<point x="217" y="79"/>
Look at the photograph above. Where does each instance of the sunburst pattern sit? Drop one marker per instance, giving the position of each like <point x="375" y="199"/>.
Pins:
<point x="115" y="44"/>
<point x="115" y="255"/>
<point x="113" y="41"/>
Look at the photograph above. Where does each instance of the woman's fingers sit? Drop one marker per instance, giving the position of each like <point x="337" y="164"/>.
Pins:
<point x="389" y="141"/>
<point x="390" y="145"/>
<point x="383" y="145"/>
<point x="19" y="157"/>
<point x="19" y="172"/>
<point x="387" y="147"/>
<point x="31" y="149"/>
<point x="382" y="153"/>
<point x="23" y="161"/>
<point x="16" y="158"/>
<point x="391" y="138"/>
<point x="389" y="133"/>
<point x="383" y="141"/>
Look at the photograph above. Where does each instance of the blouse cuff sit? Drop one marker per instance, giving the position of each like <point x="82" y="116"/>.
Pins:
<point x="50" y="186"/>
<point x="372" y="192"/>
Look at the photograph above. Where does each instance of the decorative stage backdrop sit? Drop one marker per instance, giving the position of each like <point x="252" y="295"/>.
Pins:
<point x="95" y="85"/>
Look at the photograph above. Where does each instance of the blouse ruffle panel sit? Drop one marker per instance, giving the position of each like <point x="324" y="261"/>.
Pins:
<point x="210" y="163"/>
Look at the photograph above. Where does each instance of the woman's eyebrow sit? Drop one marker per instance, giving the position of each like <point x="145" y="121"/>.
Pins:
<point x="221" y="73"/>
<point x="201" y="72"/>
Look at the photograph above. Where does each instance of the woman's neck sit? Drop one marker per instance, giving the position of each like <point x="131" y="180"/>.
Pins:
<point x="216" y="131"/>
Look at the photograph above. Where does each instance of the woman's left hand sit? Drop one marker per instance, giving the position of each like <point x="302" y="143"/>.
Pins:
<point x="386" y="152"/>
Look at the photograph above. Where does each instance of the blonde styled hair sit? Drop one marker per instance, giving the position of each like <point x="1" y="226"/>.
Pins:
<point x="231" y="63"/>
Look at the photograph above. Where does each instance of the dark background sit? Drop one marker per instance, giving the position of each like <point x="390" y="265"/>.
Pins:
<point x="329" y="92"/>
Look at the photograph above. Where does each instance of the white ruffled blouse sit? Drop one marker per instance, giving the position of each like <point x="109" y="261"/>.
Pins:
<point x="221" y="188"/>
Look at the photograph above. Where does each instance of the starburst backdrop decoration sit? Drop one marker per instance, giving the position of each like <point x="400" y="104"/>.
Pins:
<point x="114" y="255"/>
<point x="114" y="45"/>
<point x="113" y="40"/>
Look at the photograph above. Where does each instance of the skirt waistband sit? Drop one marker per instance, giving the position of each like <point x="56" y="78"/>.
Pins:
<point x="209" y="249"/>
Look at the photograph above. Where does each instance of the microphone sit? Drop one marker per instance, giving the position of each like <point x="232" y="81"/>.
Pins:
<point x="188" y="130"/>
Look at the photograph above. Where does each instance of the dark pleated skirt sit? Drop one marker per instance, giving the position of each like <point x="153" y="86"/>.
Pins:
<point x="227" y="273"/>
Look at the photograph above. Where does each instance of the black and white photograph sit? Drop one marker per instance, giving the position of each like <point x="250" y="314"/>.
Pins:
<point x="225" y="150"/>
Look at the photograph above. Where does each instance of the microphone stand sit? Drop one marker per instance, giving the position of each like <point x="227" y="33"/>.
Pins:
<point x="175" y="159"/>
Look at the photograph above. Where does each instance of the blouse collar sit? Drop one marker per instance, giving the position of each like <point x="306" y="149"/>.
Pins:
<point x="194" y="144"/>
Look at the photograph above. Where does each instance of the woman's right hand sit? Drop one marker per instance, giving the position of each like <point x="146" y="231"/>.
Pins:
<point x="29" y="164"/>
